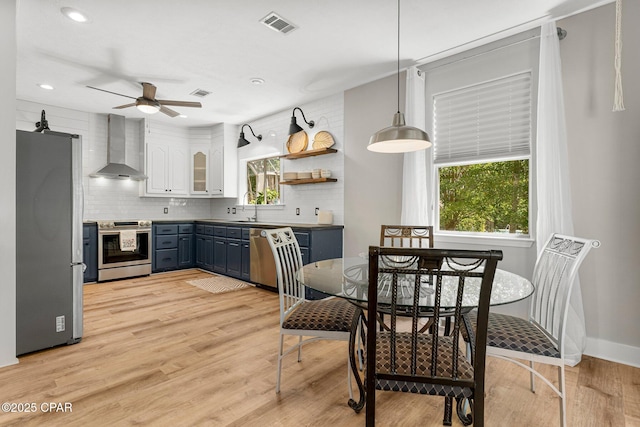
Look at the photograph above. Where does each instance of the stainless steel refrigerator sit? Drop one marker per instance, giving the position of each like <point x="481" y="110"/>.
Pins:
<point x="49" y="267"/>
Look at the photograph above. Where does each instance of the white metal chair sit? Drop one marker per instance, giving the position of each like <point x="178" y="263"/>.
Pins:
<point x="330" y="318"/>
<point x="541" y="338"/>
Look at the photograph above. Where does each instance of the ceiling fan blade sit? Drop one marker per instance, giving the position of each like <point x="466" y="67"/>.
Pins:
<point x="168" y="111"/>
<point x="179" y="103"/>
<point x="126" y="105"/>
<point x="115" y="93"/>
<point x="148" y="90"/>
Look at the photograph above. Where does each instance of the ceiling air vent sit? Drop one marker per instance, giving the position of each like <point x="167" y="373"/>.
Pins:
<point x="278" y="23"/>
<point x="200" y="93"/>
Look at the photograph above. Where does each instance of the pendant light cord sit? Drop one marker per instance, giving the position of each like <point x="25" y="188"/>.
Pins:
<point x="398" y="56"/>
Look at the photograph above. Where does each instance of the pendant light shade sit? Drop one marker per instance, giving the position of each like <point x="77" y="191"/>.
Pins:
<point x="294" y="127"/>
<point x="399" y="138"/>
<point x="242" y="141"/>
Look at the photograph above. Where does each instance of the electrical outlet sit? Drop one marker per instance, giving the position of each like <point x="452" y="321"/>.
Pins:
<point x="317" y="209"/>
<point x="228" y="210"/>
<point x="60" y="324"/>
<point x="297" y="211"/>
<point x="233" y="211"/>
<point x="166" y="210"/>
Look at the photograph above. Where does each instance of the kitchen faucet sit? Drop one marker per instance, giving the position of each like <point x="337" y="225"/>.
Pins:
<point x="253" y="218"/>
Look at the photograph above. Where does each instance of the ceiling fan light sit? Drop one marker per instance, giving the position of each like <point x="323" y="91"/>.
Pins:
<point x="399" y="138"/>
<point x="147" y="107"/>
<point x="74" y="14"/>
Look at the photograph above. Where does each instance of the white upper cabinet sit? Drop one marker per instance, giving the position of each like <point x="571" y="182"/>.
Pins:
<point x="200" y="175"/>
<point x="193" y="162"/>
<point x="166" y="164"/>
<point x="224" y="160"/>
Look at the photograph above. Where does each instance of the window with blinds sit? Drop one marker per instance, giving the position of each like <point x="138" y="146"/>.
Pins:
<point x="482" y="139"/>
<point x="486" y="121"/>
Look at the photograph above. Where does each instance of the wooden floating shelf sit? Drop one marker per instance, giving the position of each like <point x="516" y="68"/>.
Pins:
<point x="310" y="153"/>
<point x="308" y="181"/>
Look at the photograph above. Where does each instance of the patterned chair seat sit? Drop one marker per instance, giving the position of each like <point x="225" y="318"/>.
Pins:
<point x="444" y="367"/>
<point x="332" y="314"/>
<point x="515" y="333"/>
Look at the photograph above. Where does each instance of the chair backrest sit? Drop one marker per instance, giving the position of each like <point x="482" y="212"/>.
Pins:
<point x="288" y="259"/>
<point x="406" y="236"/>
<point x="553" y="277"/>
<point x="410" y="270"/>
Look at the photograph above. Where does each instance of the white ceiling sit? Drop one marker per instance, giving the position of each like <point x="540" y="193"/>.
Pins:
<point x="219" y="45"/>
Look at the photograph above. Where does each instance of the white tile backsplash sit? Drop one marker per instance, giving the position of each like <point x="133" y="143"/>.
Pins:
<point x="120" y="199"/>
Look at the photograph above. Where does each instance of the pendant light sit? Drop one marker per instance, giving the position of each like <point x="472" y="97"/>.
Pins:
<point x="399" y="138"/>
<point x="242" y="141"/>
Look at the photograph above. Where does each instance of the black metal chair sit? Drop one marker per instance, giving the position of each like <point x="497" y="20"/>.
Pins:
<point x="426" y="362"/>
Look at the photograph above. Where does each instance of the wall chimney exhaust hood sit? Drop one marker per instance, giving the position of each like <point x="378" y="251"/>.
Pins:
<point x="116" y="167"/>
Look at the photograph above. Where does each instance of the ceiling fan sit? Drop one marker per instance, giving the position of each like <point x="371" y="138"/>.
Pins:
<point x="147" y="103"/>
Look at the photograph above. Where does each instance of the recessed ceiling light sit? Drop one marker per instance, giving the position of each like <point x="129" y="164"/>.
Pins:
<point x="45" y="86"/>
<point x="257" y="81"/>
<point x="182" y="116"/>
<point x="74" y="14"/>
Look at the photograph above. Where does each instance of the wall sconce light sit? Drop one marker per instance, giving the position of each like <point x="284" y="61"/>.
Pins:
<point x="399" y="138"/>
<point x="293" y="127"/>
<point x="242" y="141"/>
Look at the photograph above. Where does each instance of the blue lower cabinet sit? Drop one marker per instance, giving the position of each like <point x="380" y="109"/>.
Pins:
<point x="186" y="251"/>
<point x="166" y="259"/>
<point x="219" y="255"/>
<point x="90" y="252"/>
<point x="173" y="246"/>
<point x="204" y="252"/>
<point x="245" y="269"/>
<point x="234" y="258"/>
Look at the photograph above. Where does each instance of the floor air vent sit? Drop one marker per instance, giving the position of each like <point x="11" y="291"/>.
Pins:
<point x="278" y="23"/>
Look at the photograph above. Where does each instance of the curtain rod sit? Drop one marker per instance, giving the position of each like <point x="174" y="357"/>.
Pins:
<point x="562" y="33"/>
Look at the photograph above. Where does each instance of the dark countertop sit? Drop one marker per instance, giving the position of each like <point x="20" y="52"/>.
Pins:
<point x="239" y="223"/>
<point x="242" y="223"/>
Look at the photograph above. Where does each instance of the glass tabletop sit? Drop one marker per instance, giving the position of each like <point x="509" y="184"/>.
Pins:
<point x="348" y="278"/>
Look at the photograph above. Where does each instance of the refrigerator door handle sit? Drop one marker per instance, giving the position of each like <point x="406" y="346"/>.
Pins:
<point x="84" y="266"/>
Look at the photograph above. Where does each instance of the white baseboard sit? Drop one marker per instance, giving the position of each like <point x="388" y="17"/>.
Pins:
<point x="10" y="361"/>
<point x="615" y="352"/>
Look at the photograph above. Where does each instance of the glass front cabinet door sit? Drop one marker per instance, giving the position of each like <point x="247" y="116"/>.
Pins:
<point x="199" y="171"/>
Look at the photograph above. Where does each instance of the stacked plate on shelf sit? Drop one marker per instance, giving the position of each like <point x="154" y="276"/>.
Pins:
<point x="290" y="176"/>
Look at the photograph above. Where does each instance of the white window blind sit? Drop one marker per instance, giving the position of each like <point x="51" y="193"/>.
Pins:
<point x="490" y="120"/>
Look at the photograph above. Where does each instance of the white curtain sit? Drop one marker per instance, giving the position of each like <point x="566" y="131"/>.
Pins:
<point x="415" y="199"/>
<point x="552" y="171"/>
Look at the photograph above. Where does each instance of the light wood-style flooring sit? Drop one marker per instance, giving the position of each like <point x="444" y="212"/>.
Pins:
<point x="159" y="352"/>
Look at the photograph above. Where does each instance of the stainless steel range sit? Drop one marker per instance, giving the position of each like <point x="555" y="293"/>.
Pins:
<point x="124" y="249"/>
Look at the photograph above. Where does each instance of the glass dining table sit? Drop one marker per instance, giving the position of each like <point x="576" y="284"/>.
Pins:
<point x="348" y="278"/>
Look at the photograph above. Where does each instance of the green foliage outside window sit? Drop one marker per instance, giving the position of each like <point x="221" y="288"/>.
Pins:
<point x="485" y="197"/>
<point x="263" y="177"/>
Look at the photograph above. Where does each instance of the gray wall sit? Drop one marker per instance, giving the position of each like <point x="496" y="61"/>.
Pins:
<point x="604" y="150"/>
<point x="373" y="181"/>
<point x="8" y="183"/>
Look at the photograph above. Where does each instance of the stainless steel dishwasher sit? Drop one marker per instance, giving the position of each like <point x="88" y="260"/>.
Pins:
<point x="263" y="265"/>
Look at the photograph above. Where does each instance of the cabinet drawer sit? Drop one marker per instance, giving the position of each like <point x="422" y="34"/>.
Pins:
<point x="166" y="258"/>
<point x="185" y="228"/>
<point x="199" y="228"/>
<point x="245" y="233"/>
<point x="166" y="229"/>
<point x="303" y="238"/>
<point x="166" y="242"/>
<point x="234" y="232"/>
<point x="208" y="230"/>
<point x="219" y="231"/>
